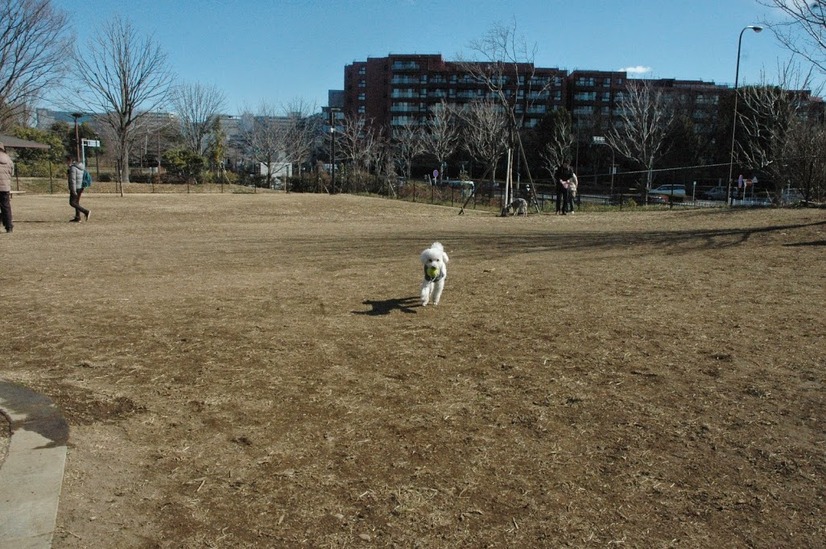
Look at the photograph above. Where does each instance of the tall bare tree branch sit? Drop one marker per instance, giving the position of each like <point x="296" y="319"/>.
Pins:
<point x="263" y="135"/>
<point x="644" y="119"/>
<point x="441" y="135"/>
<point x="506" y="66"/>
<point x="485" y="129"/>
<point x="301" y="132"/>
<point x="125" y="76"/>
<point x="198" y="108"/>
<point x="561" y="140"/>
<point x="33" y="46"/>
<point x="408" y="142"/>
<point x="802" y="30"/>
<point x="780" y="138"/>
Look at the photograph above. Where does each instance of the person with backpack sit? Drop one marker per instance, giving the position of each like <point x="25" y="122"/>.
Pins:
<point x="6" y="171"/>
<point x="75" y="175"/>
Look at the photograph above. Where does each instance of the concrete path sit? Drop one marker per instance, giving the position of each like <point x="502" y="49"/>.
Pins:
<point x="32" y="473"/>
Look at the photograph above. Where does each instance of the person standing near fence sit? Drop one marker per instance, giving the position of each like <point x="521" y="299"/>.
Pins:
<point x="6" y="171"/>
<point x="75" y="177"/>
<point x="562" y="176"/>
<point x="573" y="183"/>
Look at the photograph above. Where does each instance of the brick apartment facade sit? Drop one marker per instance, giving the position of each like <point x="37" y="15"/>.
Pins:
<point x="401" y="89"/>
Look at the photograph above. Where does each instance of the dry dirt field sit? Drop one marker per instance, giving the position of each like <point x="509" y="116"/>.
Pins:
<point x="255" y="371"/>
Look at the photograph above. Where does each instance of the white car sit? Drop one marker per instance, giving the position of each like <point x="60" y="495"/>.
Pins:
<point x="669" y="190"/>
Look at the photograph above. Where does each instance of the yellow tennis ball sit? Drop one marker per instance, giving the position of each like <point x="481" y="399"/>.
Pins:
<point x="433" y="272"/>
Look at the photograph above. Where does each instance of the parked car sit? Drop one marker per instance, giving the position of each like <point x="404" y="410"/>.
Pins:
<point x="715" y="193"/>
<point x="654" y="198"/>
<point x="669" y="190"/>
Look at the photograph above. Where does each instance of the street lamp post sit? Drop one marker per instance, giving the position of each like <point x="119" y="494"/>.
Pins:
<point x="755" y="28"/>
<point x="333" y="149"/>
<point x="77" y="115"/>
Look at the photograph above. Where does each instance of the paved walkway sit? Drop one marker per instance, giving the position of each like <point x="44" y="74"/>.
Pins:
<point x="32" y="473"/>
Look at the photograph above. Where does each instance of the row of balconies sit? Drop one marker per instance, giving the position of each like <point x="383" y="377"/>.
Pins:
<point x="413" y="93"/>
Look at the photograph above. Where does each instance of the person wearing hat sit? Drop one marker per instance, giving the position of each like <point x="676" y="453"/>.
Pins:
<point x="6" y="171"/>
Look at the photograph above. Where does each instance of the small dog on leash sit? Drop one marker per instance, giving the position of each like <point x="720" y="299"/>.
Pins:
<point x="434" y="260"/>
<point x="519" y="206"/>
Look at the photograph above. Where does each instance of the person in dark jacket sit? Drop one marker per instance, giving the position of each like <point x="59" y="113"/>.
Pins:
<point x="562" y="177"/>
<point x="75" y="177"/>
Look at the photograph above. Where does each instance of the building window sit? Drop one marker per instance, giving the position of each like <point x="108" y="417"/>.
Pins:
<point x="403" y="93"/>
<point x="405" y="66"/>
<point x="585" y="96"/>
<point x="403" y="120"/>
<point x="404" y="106"/>
<point x="362" y="96"/>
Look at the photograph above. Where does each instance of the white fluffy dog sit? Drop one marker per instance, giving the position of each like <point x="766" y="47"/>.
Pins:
<point x="434" y="259"/>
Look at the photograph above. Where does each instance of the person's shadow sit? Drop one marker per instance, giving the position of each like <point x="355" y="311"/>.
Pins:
<point x="387" y="306"/>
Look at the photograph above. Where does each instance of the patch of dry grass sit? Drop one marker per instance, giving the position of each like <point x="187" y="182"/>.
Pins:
<point x="253" y="370"/>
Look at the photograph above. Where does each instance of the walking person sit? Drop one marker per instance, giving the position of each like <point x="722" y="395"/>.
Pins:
<point x="6" y="171"/>
<point x="562" y="176"/>
<point x="75" y="176"/>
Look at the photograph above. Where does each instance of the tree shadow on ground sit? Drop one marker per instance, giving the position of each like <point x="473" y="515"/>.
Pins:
<point x="387" y="306"/>
<point x="812" y="243"/>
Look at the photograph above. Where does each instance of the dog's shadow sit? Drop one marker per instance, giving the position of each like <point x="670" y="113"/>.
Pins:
<point x="387" y="306"/>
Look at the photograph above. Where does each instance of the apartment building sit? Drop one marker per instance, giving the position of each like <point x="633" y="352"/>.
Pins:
<point x="401" y="90"/>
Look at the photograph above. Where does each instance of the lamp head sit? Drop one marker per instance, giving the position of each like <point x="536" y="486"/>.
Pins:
<point x="755" y="28"/>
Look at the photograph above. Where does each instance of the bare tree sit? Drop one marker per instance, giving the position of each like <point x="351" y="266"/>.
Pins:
<point x="779" y="137"/>
<point x="360" y="144"/>
<point x="198" y="108"/>
<point x="33" y="45"/>
<point x="408" y="141"/>
<point x="441" y="135"/>
<point x="507" y="69"/>
<point x="804" y="158"/>
<point x="802" y="30"/>
<point x="644" y="119"/>
<point x="301" y="131"/>
<point x="263" y="135"/>
<point x="125" y="76"/>
<point x="485" y="125"/>
<point x="561" y="140"/>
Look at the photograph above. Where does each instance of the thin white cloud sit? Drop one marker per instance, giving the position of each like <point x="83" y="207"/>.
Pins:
<point x="636" y="70"/>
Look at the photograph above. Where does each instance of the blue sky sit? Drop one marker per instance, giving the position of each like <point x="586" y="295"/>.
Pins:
<point x="278" y="51"/>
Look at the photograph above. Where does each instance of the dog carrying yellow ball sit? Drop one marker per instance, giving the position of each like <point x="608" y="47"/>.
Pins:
<point x="433" y="272"/>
